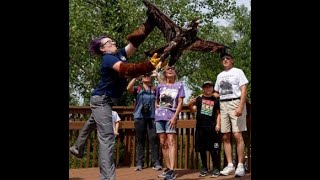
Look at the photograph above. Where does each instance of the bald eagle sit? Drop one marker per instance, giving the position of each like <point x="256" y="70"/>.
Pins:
<point x="178" y="38"/>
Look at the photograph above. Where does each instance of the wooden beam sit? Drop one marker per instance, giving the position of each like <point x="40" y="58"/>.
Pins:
<point x="130" y="124"/>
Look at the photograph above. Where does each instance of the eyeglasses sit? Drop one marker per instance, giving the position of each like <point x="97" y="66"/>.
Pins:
<point x="227" y="58"/>
<point x="109" y="41"/>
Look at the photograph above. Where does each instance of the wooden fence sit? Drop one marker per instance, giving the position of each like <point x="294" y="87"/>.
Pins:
<point x="125" y="153"/>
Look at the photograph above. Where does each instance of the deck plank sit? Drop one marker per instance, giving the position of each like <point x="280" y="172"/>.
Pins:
<point x="128" y="173"/>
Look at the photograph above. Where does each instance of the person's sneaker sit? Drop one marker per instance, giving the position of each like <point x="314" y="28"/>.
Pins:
<point x="157" y="167"/>
<point x="74" y="151"/>
<point x="164" y="173"/>
<point x="240" y="171"/>
<point x="227" y="170"/>
<point x="170" y="175"/>
<point x="203" y="172"/>
<point x="138" y="168"/>
<point x="215" y="173"/>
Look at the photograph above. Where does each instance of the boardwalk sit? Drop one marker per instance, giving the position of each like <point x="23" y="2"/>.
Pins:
<point x="126" y="173"/>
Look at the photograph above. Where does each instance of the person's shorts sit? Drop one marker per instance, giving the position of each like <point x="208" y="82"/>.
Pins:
<point x="162" y="126"/>
<point x="230" y="122"/>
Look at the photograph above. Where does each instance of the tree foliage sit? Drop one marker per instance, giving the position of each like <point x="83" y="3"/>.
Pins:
<point x="117" y="18"/>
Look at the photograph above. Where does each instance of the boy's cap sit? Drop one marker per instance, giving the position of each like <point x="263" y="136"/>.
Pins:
<point x="207" y="82"/>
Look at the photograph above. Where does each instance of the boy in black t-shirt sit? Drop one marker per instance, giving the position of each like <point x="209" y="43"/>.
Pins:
<point x="207" y="135"/>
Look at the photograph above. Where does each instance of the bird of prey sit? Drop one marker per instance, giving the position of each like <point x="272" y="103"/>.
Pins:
<point x="178" y="39"/>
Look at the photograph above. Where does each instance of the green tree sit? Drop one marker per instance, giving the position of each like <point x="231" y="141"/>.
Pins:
<point x="117" y="18"/>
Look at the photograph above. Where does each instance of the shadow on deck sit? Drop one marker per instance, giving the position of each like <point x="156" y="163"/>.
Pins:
<point x="128" y="173"/>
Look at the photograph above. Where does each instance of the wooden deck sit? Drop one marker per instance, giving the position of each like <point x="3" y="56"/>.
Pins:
<point x="128" y="173"/>
<point x="125" y="147"/>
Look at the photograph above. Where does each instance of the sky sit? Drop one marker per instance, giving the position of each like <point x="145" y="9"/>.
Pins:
<point x="223" y="22"/>
<point x="245" y="2"/>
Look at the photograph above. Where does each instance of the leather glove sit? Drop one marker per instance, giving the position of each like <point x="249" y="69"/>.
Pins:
<point x="154" y="60"/>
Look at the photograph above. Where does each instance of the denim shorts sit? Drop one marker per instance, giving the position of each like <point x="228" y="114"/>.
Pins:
<point x="162" y="126"/>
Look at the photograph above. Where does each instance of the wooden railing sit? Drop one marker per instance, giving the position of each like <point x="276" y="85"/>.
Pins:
<point x="125" y="153"/>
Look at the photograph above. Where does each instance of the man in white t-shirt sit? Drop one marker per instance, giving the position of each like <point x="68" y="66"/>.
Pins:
<point x="116" y="121"/>
<point x="231" y="85"/>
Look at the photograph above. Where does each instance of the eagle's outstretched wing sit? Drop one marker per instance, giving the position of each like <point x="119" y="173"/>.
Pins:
<point x="207" y="46"/>
<point x="163" y="22"/>
<point x="178" y="39"/>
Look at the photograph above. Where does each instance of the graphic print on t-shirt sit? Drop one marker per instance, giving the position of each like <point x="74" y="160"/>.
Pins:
<point x="167" y="98"/>
<point x="207" y="107"/>
<point x="226" y="87"/>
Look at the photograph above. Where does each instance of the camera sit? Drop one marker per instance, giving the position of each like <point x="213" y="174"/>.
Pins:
<point x="145" y="108"/>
